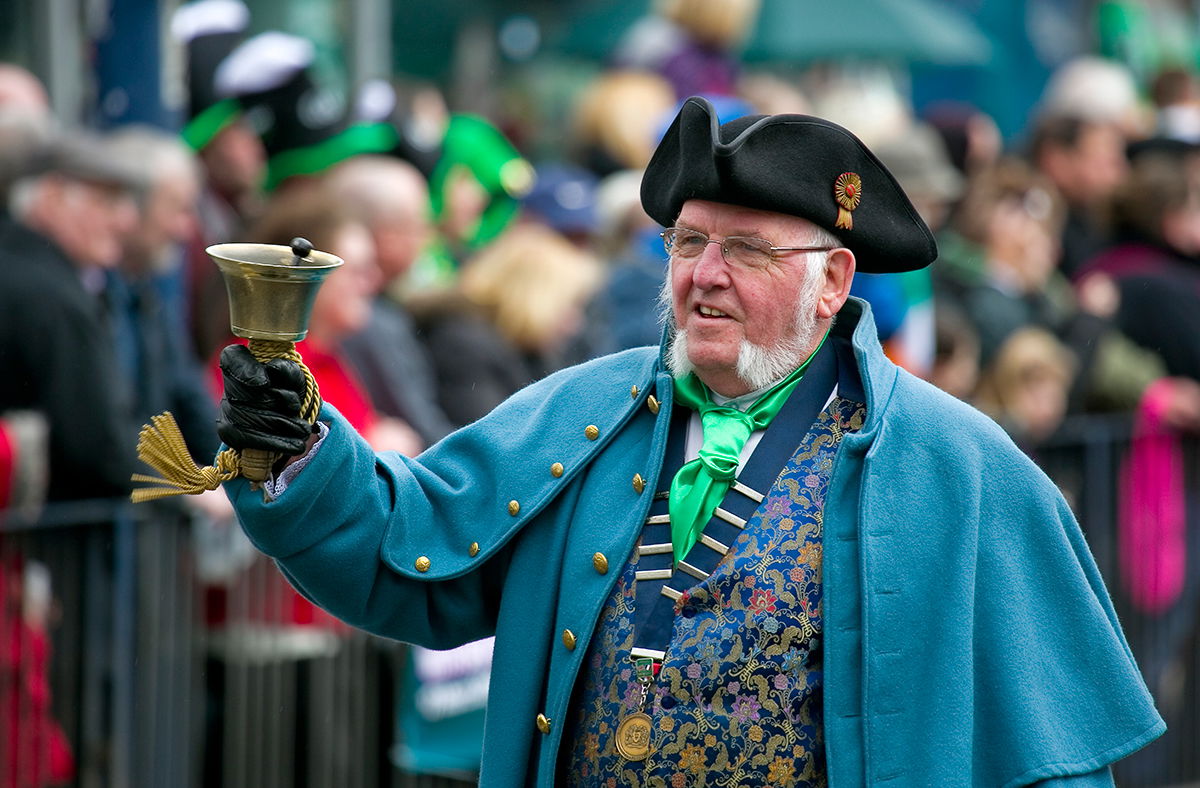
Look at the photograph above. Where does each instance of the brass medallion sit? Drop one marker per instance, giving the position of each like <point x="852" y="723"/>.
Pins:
<point x="633" y="737"/>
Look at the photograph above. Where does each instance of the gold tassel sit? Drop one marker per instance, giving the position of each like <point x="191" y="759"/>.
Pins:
<point x="161" y="444"/>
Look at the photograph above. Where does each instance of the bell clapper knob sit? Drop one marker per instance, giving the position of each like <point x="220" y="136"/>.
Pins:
<point x="301" y="248"/>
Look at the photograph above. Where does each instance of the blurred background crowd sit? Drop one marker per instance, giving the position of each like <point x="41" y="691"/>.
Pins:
<point x="477" y="166"/>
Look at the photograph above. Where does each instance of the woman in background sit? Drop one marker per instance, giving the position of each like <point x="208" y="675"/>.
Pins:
<point x="508" y="321"/>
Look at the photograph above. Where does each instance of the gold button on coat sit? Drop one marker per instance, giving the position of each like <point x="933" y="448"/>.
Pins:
<point x="600" y="563"/>
<point x="556" y="470"/>
<point x="569" y="639"/>
<point x="592" y="432"/>
<point x="639" y="483"/>
<point x="473" y="550"/>
<point x="514" y="507"/>
<point x="422" y="564"/>
<point x="543" y="723"/>
<point x="652" y="404"/>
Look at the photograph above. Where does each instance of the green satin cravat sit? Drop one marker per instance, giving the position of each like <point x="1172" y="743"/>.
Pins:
<point x="700" y="485"/>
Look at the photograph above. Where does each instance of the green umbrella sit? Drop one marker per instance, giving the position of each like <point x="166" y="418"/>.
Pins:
<point x="922" y="31"/>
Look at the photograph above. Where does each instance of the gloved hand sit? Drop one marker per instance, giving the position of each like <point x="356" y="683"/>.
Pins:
<point x="261" y="406"/>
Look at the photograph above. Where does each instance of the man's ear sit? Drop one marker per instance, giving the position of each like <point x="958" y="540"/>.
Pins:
<point x="839" y="273"/>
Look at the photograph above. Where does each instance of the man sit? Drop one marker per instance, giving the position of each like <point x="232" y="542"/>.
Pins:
<point x="146" y="291"/>
<point x="860" y="580"/>
<point x="56" y="348"/>
<point x="25" y="123"/>
<point x="391" y="198"/>
<point x="1085" y="160"/>
<point x="231" y="155"/>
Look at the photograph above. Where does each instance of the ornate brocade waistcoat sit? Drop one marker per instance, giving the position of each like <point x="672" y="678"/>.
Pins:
<point x="738" y="698"/>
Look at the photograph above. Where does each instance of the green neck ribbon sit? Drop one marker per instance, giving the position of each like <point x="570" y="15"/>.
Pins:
<point x="700" y="485"/>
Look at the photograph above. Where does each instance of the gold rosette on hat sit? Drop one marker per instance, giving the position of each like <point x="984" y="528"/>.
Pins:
<point x="847" y="190"/>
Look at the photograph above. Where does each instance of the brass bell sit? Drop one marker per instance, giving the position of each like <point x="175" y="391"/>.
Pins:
<point x="271" y="292"/>
<point x="271" y="288"/>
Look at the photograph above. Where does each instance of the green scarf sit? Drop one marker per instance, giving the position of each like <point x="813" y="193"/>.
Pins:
<point x="701" y="484"/>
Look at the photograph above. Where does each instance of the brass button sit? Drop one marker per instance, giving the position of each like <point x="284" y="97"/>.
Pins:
<point x="592" y="432"/>
<point x="543" y="723"/>
<point x="639" y="483"/>
<point x="473" y="550"/>
<point x="600" y="563"/>
<point x="652" y="403"/>
<point x="633" y="392"/>
<point x="556" y="470"/>
<point x="422" y="564"/>
<point x="569" y="639"/>
<point x="514" y="507"/>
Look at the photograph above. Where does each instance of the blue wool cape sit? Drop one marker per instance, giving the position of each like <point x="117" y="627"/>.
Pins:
<point x="969" y="640"/>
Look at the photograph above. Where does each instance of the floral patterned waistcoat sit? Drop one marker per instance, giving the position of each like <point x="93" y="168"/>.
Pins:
<point x="737" y="699"/>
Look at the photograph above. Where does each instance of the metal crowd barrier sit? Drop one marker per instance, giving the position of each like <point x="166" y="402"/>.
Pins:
<point x="179" y="659"/>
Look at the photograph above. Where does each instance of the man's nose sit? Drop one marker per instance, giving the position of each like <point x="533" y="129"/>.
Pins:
<point x="711" y="269"/>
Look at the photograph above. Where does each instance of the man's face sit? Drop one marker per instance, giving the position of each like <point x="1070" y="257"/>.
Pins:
<point x="168" y="218"/>
<point x="91" y="221"/>
<point x="1091" y="170"/>
<point x="343" y="304"/>
<point x="234" y="160"/>
<point x="720" y="308"/>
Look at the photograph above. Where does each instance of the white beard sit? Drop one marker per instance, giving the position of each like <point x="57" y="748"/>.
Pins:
<point x="757" y="366"/>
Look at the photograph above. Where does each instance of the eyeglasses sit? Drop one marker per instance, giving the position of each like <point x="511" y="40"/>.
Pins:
<point x="740" y="250"/>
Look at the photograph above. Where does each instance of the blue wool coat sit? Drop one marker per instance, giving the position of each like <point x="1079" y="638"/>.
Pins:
<point x="968" y="637"/>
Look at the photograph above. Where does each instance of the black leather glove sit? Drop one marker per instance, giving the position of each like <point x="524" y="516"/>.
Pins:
<point x="261" y="406"/>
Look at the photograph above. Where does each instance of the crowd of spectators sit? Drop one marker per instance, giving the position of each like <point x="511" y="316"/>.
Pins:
<point x="1068" y="280"/>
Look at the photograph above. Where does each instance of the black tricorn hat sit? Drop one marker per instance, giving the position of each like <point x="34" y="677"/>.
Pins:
<point x="791" y="164"/>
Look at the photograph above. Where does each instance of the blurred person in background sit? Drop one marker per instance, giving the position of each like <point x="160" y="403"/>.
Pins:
<point x="1155" y="263"/>
<point x="69" y="220"/>
<point x="971" y="137"/>
<point x="475" y="192"/>
<point x="903" y="304"/>
<point x="516" y="307"/>
<point x="392" y="199"/>
<point x="342" y="307"/>
<point x="415" y="110"/>
<point x="1006" y="280"/>
<point x="770" y="94"/>
<point x="563" y="198"/>
<point x="617" y="120"/>
<point x="1098" y="90"/>
<point x="69" y="215"/>
<point x="1026" y="387"/>
<point x="1176" y="96"/>
<point x="625" y="312"/>
<point x="693" y="44"/>
<point x="231" y="156"/>
<point x="1085" y="161"/>
<point x="153" y="345"/>
<point x="25" y="124"/>
<point x="306" y="126"/>
<point x="956" y="350"/>
<point x="34" y="751"/>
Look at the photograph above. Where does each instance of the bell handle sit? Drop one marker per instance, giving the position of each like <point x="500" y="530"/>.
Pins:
<point x="257" y="463"/>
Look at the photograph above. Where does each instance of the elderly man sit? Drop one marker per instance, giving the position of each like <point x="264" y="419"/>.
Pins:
<point x="762" y="556"/>
<point x="70" y="215"/>
<point x="146" y="295"/>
